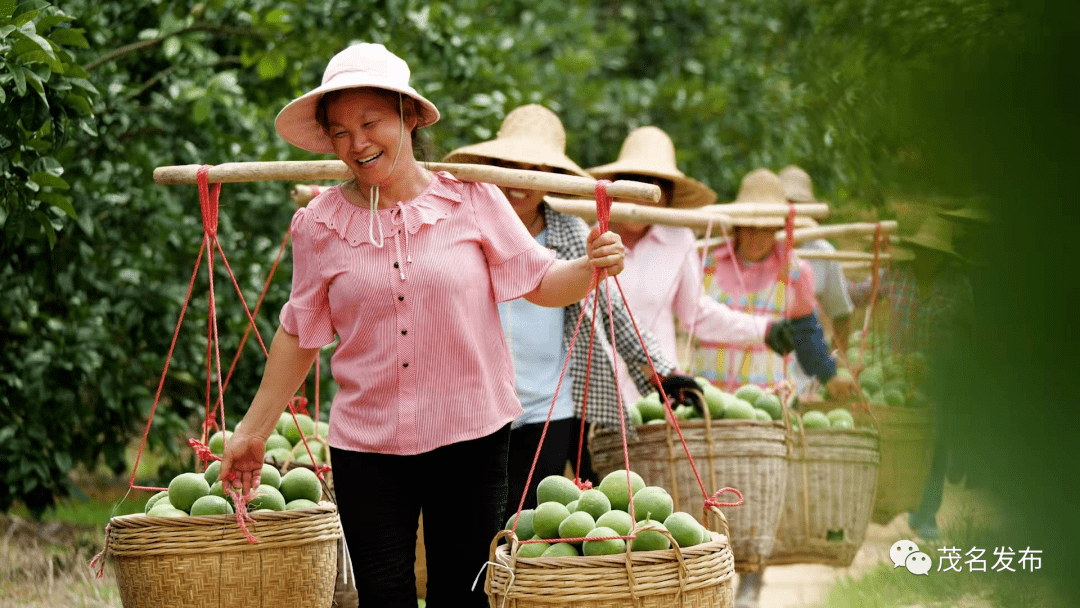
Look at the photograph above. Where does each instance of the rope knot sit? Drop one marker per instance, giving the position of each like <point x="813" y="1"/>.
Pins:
<point x="713" y="501"/>
<point x="299" y="405"/>
<point x="202" y="451"/>
<point x="97" y="565"/>
<point x="582" y="485"/>
<point x="603" y="204"/>
<point x="208" y="201"/>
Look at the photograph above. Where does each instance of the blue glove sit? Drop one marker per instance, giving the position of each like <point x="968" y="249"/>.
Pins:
<point x="811" y="349"/>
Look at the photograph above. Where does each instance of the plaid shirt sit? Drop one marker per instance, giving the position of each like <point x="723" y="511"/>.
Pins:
<point x="568" y="236"/>
<point x="922" y="324"/>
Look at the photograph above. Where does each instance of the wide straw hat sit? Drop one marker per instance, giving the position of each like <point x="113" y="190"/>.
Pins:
<point x="649" y="151"/>
<point x="361" y="65"/>
<point x="762" y="186"/>
<point x="798" y="187"/>
<point x="967" y="215"/>
<point x="935" y="233"/>
<point x="530" y="135"/>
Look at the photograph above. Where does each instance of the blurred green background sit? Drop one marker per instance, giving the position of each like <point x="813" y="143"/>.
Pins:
<point x="879" y="101"/>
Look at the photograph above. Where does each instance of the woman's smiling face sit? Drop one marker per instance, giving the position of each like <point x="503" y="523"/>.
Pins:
<point x="367" y="133"/>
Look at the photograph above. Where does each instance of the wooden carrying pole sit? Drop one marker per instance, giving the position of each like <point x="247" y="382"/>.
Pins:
<point x="667" y="216"/>
<point x="803" y="235"/>
<point x="814" y="210"/>
<point x="306" y="171"/>
<point x="839" y="256"/>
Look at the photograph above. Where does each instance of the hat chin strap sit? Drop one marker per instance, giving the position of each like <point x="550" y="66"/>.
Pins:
<point x="373" y="192"/>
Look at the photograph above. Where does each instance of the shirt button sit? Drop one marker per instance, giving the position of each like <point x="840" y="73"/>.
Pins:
<point x="404" y="331"/>
<point x="395" y="264"/>
<point x="401" y="298"/>
<point x="404" y="365"/>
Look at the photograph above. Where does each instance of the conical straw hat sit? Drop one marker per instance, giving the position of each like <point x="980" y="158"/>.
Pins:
<point x="760" y="186"/>
<point x="798" y="187"/>
<point x="935" y="233"/>
<point x="531" y="135"/>
<point x="649" y="151"/>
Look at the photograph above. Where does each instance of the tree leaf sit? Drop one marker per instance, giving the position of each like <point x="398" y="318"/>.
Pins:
<point x="48" y="21"/>
<point x="271" y="65"/>
<point x="46" y="225"/>
<point x="20" y="81"/>
<point x="59" y="201"/>
<point x="36" y="84"/>
<point x="69" y="37"/>
<point x="201" y="109"/>
<point x="171" y="47"/>
<point x="7" y="8"/>
<point x="50" y="180"/>
<point x="24" y="18"/>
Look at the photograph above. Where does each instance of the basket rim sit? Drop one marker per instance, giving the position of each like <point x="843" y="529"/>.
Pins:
<point x="619" y="559"/>
<point x="141" y="519"/>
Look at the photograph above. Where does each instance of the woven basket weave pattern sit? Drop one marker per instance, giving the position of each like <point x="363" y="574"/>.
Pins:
<point x="604" y="582"/>
<point x="750" y="456"/>
<point x="830" y="489"/>
<point x="907" y="442"/>
<point x="202" y="562"/>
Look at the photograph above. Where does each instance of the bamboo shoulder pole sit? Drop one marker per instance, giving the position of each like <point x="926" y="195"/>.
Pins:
<point x="306" y="171"/>
<point x="814" y="210"/>
<point x="839" y="256"/>
<point x="644" y="214"/>
<point x="804" y="235"/>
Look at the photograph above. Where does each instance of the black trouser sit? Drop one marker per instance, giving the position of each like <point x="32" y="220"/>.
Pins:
<point x="560" y="446"/>
<point x="461" y="489"/>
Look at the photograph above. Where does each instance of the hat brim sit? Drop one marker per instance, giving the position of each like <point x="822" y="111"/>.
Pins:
<point x="296" y="122"/>
<point x="918" y="244"/>
<point x="689" y="192"/>
<point x="966" y="216"/>
<point x="516" y="150"/>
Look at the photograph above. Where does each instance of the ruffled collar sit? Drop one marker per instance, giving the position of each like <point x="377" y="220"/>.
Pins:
<point x="350" y="222"/>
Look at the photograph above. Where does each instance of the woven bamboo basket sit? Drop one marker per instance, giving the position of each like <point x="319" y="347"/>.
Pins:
<point x="907" y="450"/>
<point x="206" y="562"/>
<point x="695" y="577"/>
<point x="748" y="455"/>
<point x="832" y="478"/>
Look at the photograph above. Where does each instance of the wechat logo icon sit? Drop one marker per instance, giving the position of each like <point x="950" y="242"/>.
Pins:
<point x="906" y="553"/>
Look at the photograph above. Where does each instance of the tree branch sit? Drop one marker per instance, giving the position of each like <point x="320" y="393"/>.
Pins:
<point x="134" y="47"/>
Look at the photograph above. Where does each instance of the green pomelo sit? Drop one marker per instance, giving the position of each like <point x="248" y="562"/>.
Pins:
<point x="918" y="399"/>
<point x="323" y="428"/>
<point x="893" y="370"/>
<point x="547" y="518"/>
<point x="770" y="402"/>
<point x="300" y="483"/>
<point x="525" y="526"/>
<point x="714" y="400"/>
<point x="300" y="503"/>
<point x="211" y="505"/>
<point x="217" y="442"/>
<point x="572" y="506"/>
<point x="614" y="486"/>
<point x="594" y="502"/>
<point x="186" y="488"/>
<point x="635" y="415"/>
<point x="557" y="488"/>
<point x="839" y="413"/>
<point x="533" y="549"/>
<point x="317" y="448"/>
<point x="576" y="525"/>
<point x="878" y="398"/>
<point x="282" y="419"/>
<point x="275" y="441"/>
<point x="685" y="412"/>
<point x="211" y="472"/>
<point x="898" y="384"/>
<point x="796" y="422"/>
<point x="280" y="455"/>
<point x="620" y="521"/>
<point x="304" y="459"/>
<point x="150" y="502"/>
<point x="762" y="415"/>
<point x="166" y="511"/>
<point x="895" y="398"/>
<point x="706" y="535"/>
<point x="871" y="379"/>
<point x="658" y="421"/>
<point x="650" y="407"/>
<point x="749" y="393"/>
<point x="739" y="409"/>
<point x="684" y="528"/>
<point x="653" y="503"/>
<point x="292" y="432"/>
<point x="266" y="497"/>
<point x="842" y="423"/>
<point x="561" y="550"/>
<point x="270" y="476"/>
<point x="612" y="546"/>
<point x="815" y="420"/>
<point x="650" y="540"/>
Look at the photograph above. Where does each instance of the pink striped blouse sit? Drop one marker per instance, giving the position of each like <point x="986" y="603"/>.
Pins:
<point x="422" y="361"/>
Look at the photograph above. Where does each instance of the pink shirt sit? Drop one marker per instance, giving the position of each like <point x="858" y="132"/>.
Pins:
<point x="736" y="277"/>
<point x="421" y="361"/>
<point x="662" y="282"/>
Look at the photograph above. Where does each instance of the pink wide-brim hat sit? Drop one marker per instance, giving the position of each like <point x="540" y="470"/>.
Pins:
<point x="361" y="65"/>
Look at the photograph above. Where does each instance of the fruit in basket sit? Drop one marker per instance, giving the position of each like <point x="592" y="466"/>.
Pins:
<point x="150" y="502"/>
<point x="762" y="415"/>
<point x="547" y="518"/>
<point x="898" y="384"/>
<point x="292" y="432"/>
<point x="658" y="421"/>
<point x="842" y="423"/>
<point x="557" y="488"/>
<point x="270" y="476"/>
<point x="267" y="497"/>
<point x="815" y="420"/>
<point x="301" y="483"/>
<point x="686" y="530"/>
<point x="918" y="399"/>
<point x="878" y="398"/>
<point x="323" y="428"/>
<point x="714" y="398"/>
<point x="706" y="535"/>
<point x="282" y="419"/>
<point x="279" y="455"/>
<point x="739" y="409"/>
<point x="749" y="392"/>
<point x="211" y="505"/>
<point x="300" y="503"/>
<point x="186" y="488"/>
<point x="620" y="521"/>
<point x="894" y="397"/>
<point x="839" y="414"/>
<point x="635" y="415"/>
<point x="614" y="486"/>
<point x="212" y="471"/>
<point x="652" y="502"/>
<point x="685" y="412"/>
<point x="561" y="550"/>
<point x="650" y="407"/>
<point x="594" y="502"/>
<point x="165" y="510"/>
<point x="572" y="506"/>
<point x="650" y="540"/>
<point x="217" y="442"/>
<point x="275" y="441"/>
<point x="533" y="549"/>
<point x="525" y="526"/>
<point x="576" y="525"/>
<point x="611" y="546"/>
<point x="871" y="379"/>
<point x="318" y="450"/>
<point x="770" y="402"/>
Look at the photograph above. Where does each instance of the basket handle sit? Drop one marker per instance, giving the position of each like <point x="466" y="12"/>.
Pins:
<point x="678" y="557"/>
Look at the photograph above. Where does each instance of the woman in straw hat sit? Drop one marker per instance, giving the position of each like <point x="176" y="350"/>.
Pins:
<point x="662" y="278"/>
<point x="405" y="267"/>
<point x="931" y="312"/>
<point x="532" y="138"/>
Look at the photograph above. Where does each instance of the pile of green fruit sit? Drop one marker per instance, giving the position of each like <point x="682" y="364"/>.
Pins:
<point x="887" y="378"/>
<point x="750" y="402"/>
<point x="566" y="512"/>
<point x="838" y="418"/>
<point x="198" y="494"/>
<point x="284" y="444"/>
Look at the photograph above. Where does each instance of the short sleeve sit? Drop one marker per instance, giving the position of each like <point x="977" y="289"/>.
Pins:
<point x="833" y="295"/>
<point x="516" y="262"/>
<point x="307" y="313"/>
<point x="803" y="299"/>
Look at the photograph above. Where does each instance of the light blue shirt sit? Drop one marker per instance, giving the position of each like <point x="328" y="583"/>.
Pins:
<point x="535" y="337"/>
